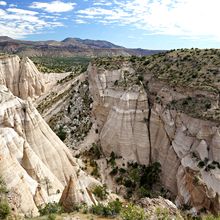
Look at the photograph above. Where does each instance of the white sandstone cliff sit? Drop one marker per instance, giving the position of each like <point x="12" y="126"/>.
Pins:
<point x="34" y="163"/>
<point x="136" y="131"/>
<point x="21" y="77"/>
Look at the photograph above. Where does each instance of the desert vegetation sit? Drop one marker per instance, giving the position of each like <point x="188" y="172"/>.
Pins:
<point x="4" y="206"/>
<point x="192" y="68"/>
<point x="48" y="64"/>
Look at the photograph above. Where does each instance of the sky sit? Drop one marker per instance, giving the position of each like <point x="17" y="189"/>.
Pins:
<point x="149" y="24"/>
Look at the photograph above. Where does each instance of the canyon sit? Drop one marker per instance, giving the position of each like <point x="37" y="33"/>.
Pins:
<point x="35" y="164"/>
<point x="131" y="107"/>
<point x="135" y="122"/>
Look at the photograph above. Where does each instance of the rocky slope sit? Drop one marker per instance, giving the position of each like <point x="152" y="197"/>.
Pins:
<point x="35" y="164"/>
<point x="21" y="77"/>
<point x="144" y="118"/>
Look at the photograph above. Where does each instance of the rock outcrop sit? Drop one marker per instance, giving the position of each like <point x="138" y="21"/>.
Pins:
<point x="160" y="208"/>
<point x="121" y="116"/>
<point x="34" y="163"/>
<point x="21" y="77"/>
<point x="137" y="122"/>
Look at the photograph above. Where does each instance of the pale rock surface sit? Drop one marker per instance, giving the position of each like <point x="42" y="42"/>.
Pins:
<point x="73" y="195"/>
<point x="155" y="206"/>
<point x="139" y="132"/>
<point x="122" y="115"/>
<point x="21" y="77"/>
<point x="34" y="163"/>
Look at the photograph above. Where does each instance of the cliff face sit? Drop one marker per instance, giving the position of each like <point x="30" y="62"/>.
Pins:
<point x="137" y="122"/>
<point x="21" y="77"/>
<point x="34" y="163"/>
<point x="121" y="116"/>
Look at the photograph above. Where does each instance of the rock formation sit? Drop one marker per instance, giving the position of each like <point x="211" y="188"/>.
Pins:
<point x="21" y="77"/>
<point x="159" y="208"/>
<point x="135" y="122"/>
<point x="73" y="195"/>
<point x="34" y="163"/>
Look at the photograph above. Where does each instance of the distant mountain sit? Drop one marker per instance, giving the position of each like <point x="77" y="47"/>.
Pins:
<point x="97" y="43"/>
<point x="67" y="48"/>
<point x="5" y="38"/>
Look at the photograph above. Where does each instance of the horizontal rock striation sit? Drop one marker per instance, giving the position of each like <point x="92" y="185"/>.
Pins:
<point x="136" y="122"/>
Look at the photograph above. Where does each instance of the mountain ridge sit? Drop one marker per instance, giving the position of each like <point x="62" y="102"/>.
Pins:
<point x="68" y="47"/>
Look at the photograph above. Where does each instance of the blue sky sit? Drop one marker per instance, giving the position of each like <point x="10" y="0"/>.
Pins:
<point x="150" y="24"/>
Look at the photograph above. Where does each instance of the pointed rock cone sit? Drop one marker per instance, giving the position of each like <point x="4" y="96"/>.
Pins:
<point x="71" y="196"/>
<point x="31" y="82"/>
<point x="39" y="172"/>
<point x="28" y="163"/>
<point x="40" y="196"/>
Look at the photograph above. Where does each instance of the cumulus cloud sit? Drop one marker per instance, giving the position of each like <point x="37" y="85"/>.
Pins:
<point x="54" y="6"/>
<point x="21" y="11"/>
<point x="185" y="18"/>
<point x="18" y="23"/>
<point x="103" y="3"/>
<point x="3" y="3"/>
<point x="79" y="21"/>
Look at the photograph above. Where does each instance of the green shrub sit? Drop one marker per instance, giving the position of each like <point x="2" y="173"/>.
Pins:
<point x="51" y="217"/>
<point x="4" y="209"/>
<point x="162" y="214"/>
<point x="61" y="133"/>
<point x="112" y="159"/>
<point x="95" y="151"/>
<point x="4" y="206"/>
<point x="50" y="64"/>
<point x="50" y="208"/>
<point x="95" y="170"/>
<point x="122" y="170"/>
<point x="3" y="189"/>
<point x="140" y="77"/>
<point x="151" y="175"/>
<point x="133" y="212"/>
<point x="100" y="192"/>
<point x="138" y="179"/>
<point x="110" y="210"/>
<point x="115" y="206"/>
<point x="201" y="164"/>
<point x="98" y="209"/>
<point x="114" y="171"/>
<point x="211" y="217"/>
<point x="143" y="192"/>
<point x="84" y="208"/>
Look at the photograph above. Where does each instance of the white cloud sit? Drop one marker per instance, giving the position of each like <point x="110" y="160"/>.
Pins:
<point x="185" y="18"/>
<point x="102" y="3"/>
<point x="13" y="5"/>
<point x="22" y="11"/>
<point x="3" y="3"/>
<point x="54" y="6"/>
<point x="80" y="21"/>
<point x="17" y="23"/>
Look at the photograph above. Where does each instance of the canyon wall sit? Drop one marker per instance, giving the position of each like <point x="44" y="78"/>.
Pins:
<point x="134" y="121"/>
<point x="35" y="164"/>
